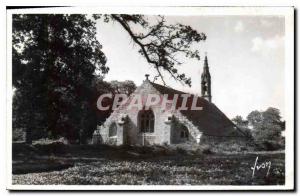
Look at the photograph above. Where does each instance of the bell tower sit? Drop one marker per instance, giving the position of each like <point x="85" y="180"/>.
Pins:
<point x="206" y="81"/>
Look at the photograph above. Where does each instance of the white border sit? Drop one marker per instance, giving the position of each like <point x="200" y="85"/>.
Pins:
<point x="287" y="12"/>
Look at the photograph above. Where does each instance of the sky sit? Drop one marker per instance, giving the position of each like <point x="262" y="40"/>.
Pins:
<point x="245" y="56"/>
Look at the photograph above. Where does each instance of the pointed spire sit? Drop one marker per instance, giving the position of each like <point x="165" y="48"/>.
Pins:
<point x="205" y="60"/>
<point x="206" y="81"/>
<point x="205" y="67"/>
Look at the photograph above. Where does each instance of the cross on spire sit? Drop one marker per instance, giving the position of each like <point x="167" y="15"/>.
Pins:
<point x="147" y="76"/>
<point x="205" y="60"/>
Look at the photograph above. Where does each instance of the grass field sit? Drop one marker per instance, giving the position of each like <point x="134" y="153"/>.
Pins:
<point x="104" y="165"/>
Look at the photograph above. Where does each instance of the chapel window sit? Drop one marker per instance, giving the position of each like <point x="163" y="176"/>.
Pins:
<point x="146" y="121"/>
<point x="184" y="132"/>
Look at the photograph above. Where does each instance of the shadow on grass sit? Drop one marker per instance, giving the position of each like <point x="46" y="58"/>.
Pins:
<point x="102" y="164"/>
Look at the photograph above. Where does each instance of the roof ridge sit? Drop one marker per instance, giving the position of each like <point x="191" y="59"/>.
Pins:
<point x="170" y="88"/>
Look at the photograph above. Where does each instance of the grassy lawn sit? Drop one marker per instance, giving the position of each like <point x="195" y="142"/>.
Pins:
<point x="90" y="165"/>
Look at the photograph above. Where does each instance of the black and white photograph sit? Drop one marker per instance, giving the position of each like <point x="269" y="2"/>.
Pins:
<point x="165" y="98"/>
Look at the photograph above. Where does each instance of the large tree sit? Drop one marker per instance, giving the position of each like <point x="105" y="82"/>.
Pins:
<point x="239" y="121"/>
<point x="266" y="125"/>
<point x="243" y="125"/>
<point x="56" y="58"/>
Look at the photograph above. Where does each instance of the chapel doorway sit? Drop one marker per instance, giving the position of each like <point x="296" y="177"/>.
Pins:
<point x="146" y="122"/>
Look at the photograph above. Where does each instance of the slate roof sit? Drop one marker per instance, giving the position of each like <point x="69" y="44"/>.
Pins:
<point x="211" y="120"/>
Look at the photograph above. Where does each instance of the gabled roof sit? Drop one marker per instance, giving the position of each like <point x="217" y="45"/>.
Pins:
<point x="211" y="120"/>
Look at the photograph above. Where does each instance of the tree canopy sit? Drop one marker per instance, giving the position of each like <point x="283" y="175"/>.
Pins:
<point x="126" y="87"/>
<point x="266" y="125"/>
<point x="239" y="121"/>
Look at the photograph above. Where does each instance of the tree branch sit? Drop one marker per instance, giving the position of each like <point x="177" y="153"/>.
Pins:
<point x="163" y="42"/>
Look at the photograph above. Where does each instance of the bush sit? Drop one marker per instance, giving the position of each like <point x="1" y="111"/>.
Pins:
<point x="229" y="145"/>
<point x="269" y="145"/>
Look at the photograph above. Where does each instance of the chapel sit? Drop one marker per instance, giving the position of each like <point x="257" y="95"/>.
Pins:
<point x="154" y="125"/>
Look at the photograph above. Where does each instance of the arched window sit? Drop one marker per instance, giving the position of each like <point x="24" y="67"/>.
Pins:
<point x="146" y="121"/>
<point x="113" y="130"/>
<point x="184" y="132"/>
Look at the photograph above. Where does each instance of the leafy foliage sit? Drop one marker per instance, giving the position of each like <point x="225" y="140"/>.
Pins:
<point x="160" y="43"/>
<point x="239" y="121"/>
<point x="102" y="87"/>
<point x="255" y="118"/>
<point x="54" y="61"/>
<point x="266" y="125"/>
<point x="243" y="125"/>
<point x="126" y="87"/>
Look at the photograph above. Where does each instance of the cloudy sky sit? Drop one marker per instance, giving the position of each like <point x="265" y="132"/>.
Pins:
<point x="245" y="55"/>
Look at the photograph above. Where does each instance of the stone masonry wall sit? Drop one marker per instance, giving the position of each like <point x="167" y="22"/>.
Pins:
<point x="128" y="132"/>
